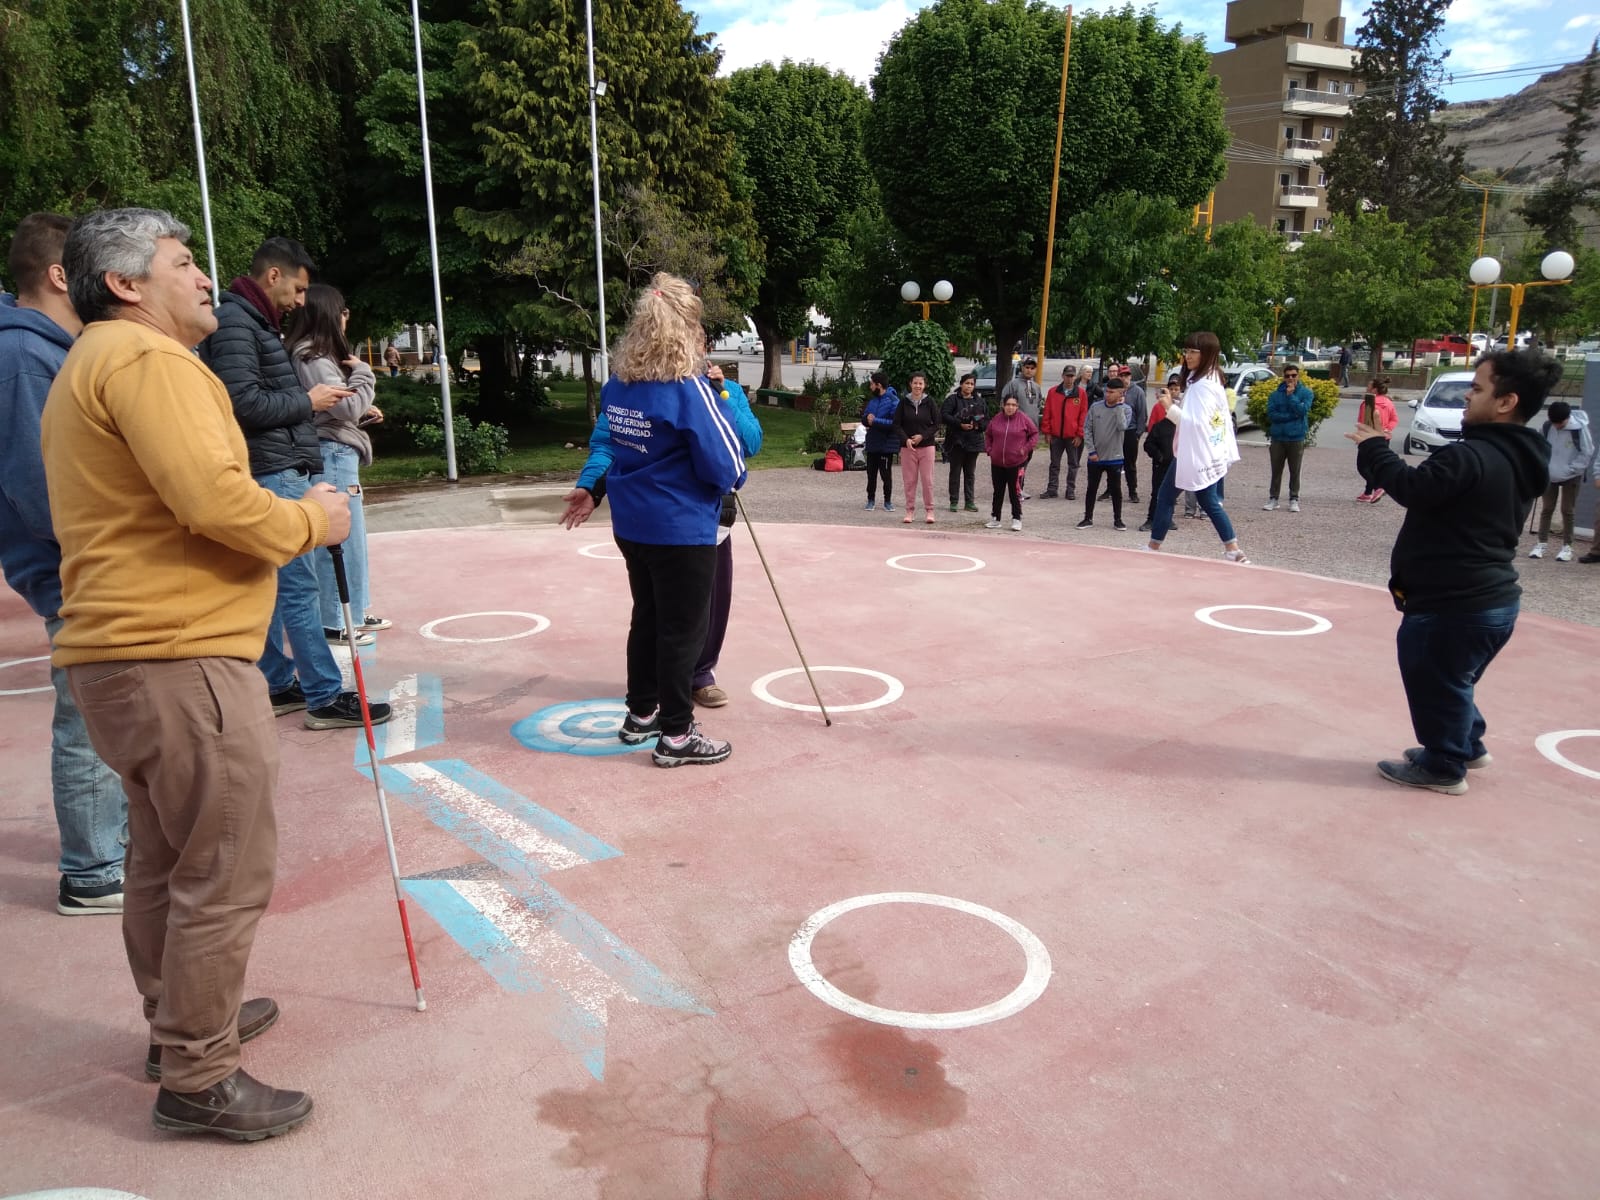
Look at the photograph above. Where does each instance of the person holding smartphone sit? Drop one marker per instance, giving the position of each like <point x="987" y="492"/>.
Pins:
<point x="321" y="354"/>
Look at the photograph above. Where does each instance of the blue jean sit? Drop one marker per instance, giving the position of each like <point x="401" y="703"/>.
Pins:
<point x="91" y="809"/>
<point x="341" y="466"/>
<point x="1442" y="657"/>
<point x="1208" y="498"/>
<point x="297" y="615"/>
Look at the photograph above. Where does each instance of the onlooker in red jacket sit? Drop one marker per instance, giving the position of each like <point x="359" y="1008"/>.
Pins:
<point x="1009" y="439"/>
<point x="1064" y="410"/>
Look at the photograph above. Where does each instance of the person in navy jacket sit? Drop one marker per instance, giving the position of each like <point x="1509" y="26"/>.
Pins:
<point x="883" y="441"/>
<point x="675" y="453"/>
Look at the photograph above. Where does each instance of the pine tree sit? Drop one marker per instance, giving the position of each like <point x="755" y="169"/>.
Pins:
<point x="1554" y="209"/>
<point x="1391" y="155"/>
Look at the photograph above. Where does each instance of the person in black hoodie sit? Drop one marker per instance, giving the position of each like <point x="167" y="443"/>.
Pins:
<point x="1451" y="570"/>
<point x="965" y="414"/>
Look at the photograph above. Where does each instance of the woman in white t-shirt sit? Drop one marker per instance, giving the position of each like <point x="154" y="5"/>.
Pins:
<point x="1205" y="447"/>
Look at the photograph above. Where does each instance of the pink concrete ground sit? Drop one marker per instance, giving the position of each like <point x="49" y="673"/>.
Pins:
<point x="1274" y="975"/>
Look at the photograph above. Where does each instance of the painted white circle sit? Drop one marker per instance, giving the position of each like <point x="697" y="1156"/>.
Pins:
<point x="1318" y="624"/>
<point x="19" y="662"/>
<point x="540" y="624"/>
<point x="977" y="564"/>
<point x="1034" y="980"/>
<point x="593" y="549"/>
<point x="1547" y="743"/>
<point x="896" y="689"/>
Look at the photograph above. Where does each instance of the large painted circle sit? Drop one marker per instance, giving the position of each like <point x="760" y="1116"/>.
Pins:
<point x="1318" y="624"/>
<point x="587" y="728"/>
<point x="896" y="689"/>
<point x="540" y="624"/>
<point x="898" y="561"/>
<point x="22" y="662"/>
<point x="1034" y="980"/>
<point x="1548" y="745"/>
<point x="593" y="551"/>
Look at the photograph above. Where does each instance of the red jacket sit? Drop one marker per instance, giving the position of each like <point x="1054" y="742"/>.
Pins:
<point x="1064" y="412"/>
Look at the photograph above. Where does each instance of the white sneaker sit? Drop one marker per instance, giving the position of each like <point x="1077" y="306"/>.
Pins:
<point x="1269" y="506"/>
<point x="1294" y="506"/>
<point x="1564" y="554"/>
<point x="1537" y="551"/>
<point x="993" y="523"/>
<point x="1016" y="525"/>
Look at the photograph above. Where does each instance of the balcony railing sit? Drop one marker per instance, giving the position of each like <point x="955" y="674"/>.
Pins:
<point x="1302" y="149"/>
<point x="1298" y="196"/>
<point x="1314" y="103"/>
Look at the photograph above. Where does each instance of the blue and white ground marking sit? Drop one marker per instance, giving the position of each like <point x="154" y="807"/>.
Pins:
<point x="584" y="727"/>
<point x="519" y="929"/>
<point x="416" y="722"/>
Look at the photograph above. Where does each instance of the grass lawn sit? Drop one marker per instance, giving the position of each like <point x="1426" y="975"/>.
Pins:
<point x="539" y="447"/>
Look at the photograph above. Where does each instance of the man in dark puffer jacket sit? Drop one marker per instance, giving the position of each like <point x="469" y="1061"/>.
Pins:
<point x="247" y="353"/>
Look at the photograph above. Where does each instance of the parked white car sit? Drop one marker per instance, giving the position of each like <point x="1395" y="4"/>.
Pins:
<point x="1437" y="421"/>
<point x="1240" y="380"/>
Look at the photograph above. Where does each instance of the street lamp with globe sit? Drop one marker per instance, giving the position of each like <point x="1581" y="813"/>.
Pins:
<point x="1556" y="268"/>
<point x="911" y="292"/>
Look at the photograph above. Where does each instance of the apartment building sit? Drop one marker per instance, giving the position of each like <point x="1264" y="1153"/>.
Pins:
<point x="1287" y="85"/>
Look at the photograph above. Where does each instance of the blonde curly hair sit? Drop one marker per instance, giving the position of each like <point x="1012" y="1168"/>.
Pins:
<point x="664" y="340"/>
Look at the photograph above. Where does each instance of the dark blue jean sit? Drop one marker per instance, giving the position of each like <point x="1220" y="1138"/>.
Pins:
<point x="1442" y="657"/>
<point x="297" y="615"/>
<point x="1208" y="498"/>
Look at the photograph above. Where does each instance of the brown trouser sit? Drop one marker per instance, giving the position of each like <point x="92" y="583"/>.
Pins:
<point x="1567" y="491"/>
<point x="194" y="742"/>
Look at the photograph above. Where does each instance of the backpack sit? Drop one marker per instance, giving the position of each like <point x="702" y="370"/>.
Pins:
<point x="833" y="461"/>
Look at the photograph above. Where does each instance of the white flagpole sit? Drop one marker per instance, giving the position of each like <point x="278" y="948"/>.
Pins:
<point x="433" y="246"/>
<point x="594" y="160"/>
<point x="200" y="154"/>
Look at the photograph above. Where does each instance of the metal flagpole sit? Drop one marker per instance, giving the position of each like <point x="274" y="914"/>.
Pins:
<point x="594" y="160"/>
<point x="200" y="154"/>
<point x="1055" y="188"/>
<point x="433" y="247"/>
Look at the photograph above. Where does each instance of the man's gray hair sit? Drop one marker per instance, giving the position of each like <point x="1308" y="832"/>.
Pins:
<point x="120" y="240"/>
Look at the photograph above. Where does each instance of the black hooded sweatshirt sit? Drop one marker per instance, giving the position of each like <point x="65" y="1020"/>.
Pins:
<point x="1465" y="508"/>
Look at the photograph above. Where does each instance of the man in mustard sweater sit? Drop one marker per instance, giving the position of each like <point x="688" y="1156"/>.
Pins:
<point x="168" y="555"/>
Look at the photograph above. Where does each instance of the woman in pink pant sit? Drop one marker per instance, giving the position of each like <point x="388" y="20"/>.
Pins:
<point x="916" y="421"/>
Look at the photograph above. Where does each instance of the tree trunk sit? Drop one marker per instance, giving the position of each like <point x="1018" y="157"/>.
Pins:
<point x="1005" y="337"/>
<point x="1375" y="366"/>
<point x="591" y="396"/>
<point x="496" y="381"/>
<point x="771" y="353"/>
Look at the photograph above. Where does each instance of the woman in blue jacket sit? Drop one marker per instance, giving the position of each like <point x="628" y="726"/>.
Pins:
<point x="883" y="443"/>
<point x="674" y="454"/>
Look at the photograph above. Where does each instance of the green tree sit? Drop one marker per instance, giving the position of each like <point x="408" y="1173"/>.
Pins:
<point x="859" y="287"/>
<point x="1229" y="284"/>
<point x="1553" y="211"/>
<point x="662" y="128"/>
<point x="94" y="110"/>
<point x="1392" y="155"/>
<point x="964" y="115"/>
<point x="920" y="346"/>
<point x="1373" y="276"/>
<point x="798" y="128"/>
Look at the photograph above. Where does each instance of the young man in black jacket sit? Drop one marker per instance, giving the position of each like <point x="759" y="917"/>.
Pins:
<point x="1450" y="570"/>
<point x="274" y="412"/>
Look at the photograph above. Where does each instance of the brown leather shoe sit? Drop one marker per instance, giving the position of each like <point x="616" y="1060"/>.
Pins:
<point x="711" y="696"/>
<point x="255" y="1018"/>
<point x="239" y="1108"/>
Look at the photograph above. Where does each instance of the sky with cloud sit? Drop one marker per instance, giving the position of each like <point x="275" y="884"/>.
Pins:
<point x="1482" y="35"/>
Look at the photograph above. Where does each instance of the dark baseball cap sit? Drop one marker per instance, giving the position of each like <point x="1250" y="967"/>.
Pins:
<point x="1116" y="381"/>
<point x="1030" y="361"/>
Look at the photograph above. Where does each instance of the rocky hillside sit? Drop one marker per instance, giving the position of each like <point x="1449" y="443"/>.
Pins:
<point x="1516" y="135"/>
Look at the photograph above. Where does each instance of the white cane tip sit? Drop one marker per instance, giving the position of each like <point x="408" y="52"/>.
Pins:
<point x="422" y="1005"/>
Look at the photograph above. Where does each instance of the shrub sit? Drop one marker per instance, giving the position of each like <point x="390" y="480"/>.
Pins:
<point x="479" y="447"/>
<point x="920" y="346"/>
<point x="1325" y="398"/>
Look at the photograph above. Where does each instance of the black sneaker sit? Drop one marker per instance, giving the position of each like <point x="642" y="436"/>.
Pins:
<point x="338" y="637"/>
<point x="1145" y="528"/>
<point x="636" y="731"/>
<point x="372" y="624"/>
<point x="1086" y="523"/>
<point x="692" y="747"/>
<point x="1119" y="525"/>
<point x="291" y="699"/>
<point x="1472" y="764"/>
<point x="89" y="900"/>
<point x="345" y="713"/>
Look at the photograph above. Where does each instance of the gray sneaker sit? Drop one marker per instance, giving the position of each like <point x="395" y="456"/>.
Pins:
<point x="1294" y="506"/>
<point x="1409" y="774"/>
<point x="1270" y="505"/>
<point x="692" y="747"/>
<point x="636" y="731"/>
